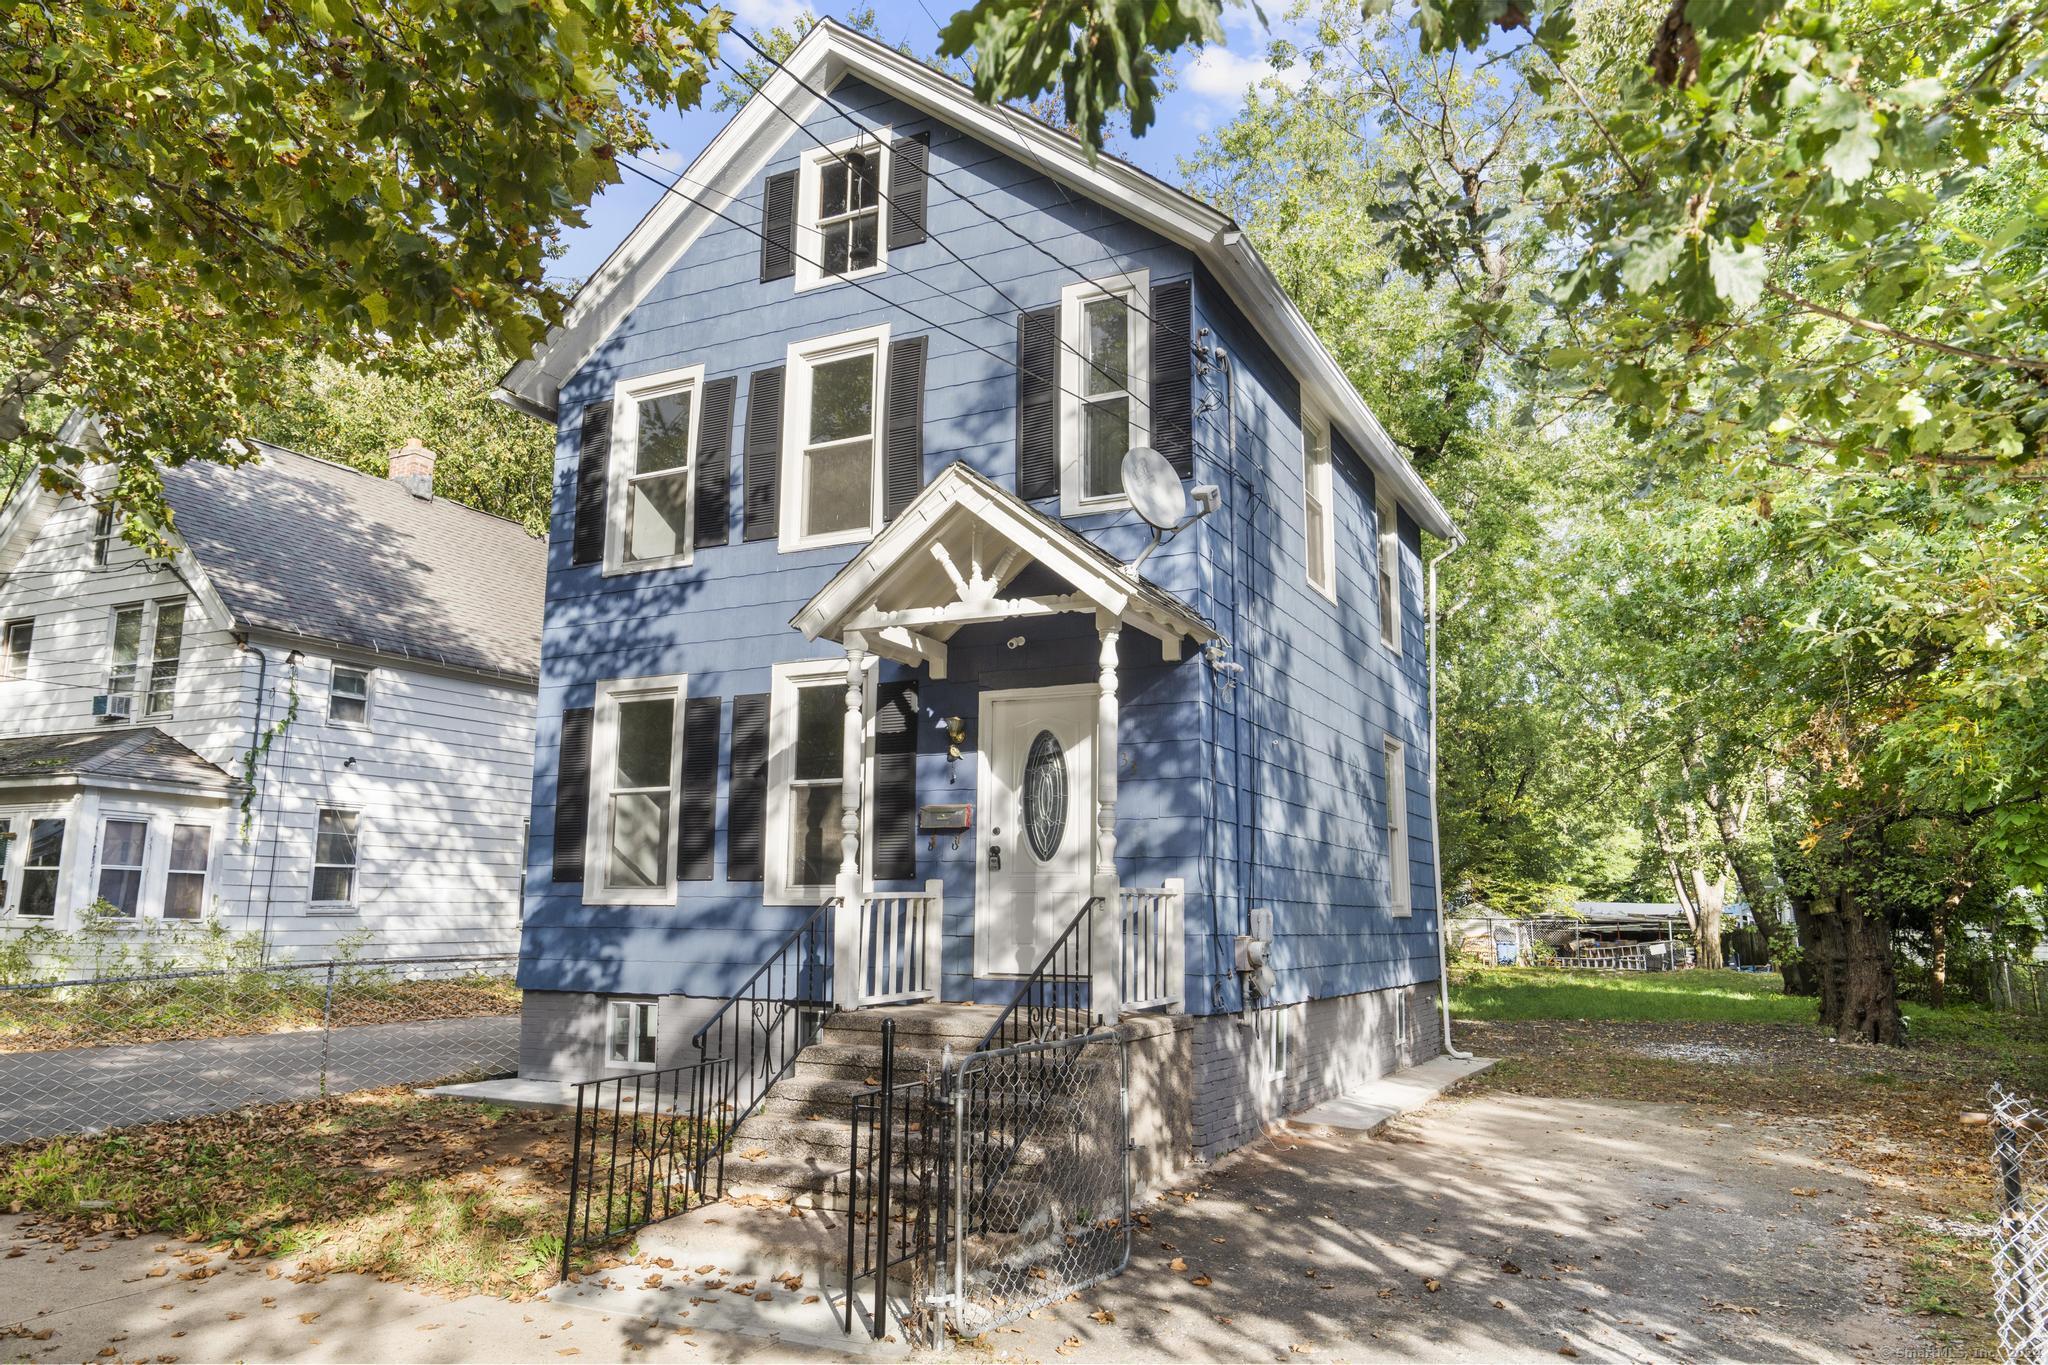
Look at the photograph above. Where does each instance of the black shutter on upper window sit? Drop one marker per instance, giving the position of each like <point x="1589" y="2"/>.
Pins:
<point x="778" y="227"/>
<point x="1173" y="375"/>
<point x="895" y="824"/>
<point x="1038" y="403"/>
<point x="572" y="794"/>
<point x="697" y="802"/>
<point x="714" y="464"/>
<point x="764" y="454"/>
<point x="593" y="459"/>
<point x="903" y="426"/>
<point x="909" y="159"/>
<point x="746" y="798"/>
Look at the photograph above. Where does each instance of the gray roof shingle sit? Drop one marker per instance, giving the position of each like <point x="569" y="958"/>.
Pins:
<point x="307" y="547"/>
<point x="138" y="755"/>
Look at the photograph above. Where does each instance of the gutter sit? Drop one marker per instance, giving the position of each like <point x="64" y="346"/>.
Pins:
<point x="1436" y="823"/>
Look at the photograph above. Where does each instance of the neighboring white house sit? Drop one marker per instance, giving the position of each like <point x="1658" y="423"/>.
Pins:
<point x="314" y="722"/>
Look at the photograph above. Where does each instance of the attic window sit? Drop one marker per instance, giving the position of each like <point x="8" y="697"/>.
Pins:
<point x="839" y="212"/>
<point x="102" y="537"/>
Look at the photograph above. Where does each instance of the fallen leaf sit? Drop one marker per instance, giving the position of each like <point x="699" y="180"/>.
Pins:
<point x="1201" y="1282"/>
<point x="1432" y="1285"/>
<point x="1567" y="1349"/>
<point x="309" y="1318"/>
<point x="1801" y="1192"/>
<point x="1510" y="1268"/>
<point x="1103" y="1316"/>
<point x="1177" y="1265"/>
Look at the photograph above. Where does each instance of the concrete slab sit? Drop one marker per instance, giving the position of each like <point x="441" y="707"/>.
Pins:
<point x="514" y="1092"/>
<point x="1372" y="1106"/>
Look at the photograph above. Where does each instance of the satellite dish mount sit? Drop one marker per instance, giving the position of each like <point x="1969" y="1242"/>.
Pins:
<point x="1156" y="495"/>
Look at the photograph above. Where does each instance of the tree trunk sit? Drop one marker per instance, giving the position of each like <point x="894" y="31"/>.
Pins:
<point x="1859" y="990"/>
<point x="1709" y="897"/>
<point x="1800" y="976"/>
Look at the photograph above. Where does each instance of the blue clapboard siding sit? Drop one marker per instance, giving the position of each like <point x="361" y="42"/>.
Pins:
<point x="1317" y="693"/>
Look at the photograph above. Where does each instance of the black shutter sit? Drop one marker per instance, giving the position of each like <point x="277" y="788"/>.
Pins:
<point x="746" y="799"/>
<point x="572" y="794"/>
<point x="909" y="159"/>
<point x="593" y="459"/>
<point x="1173" y="376"/>
<point x="697" y="802"/>
<point x="895" y="826"/>
<point x="1038" y="403"/>
<point x="903" y="422"/>
<point x="714" y="464"/>
<point x="778" y="227"/>
<point x="764" y="454"/>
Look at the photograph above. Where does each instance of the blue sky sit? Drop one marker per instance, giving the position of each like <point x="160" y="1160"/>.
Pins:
<point x="1211" y="89"/>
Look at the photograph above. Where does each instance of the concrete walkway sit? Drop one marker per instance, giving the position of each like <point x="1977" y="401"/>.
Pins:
<point x="86" y="1090"/>
<point x="1375" y="1104"/>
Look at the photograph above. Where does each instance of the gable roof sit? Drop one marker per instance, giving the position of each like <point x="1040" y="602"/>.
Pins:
<point x="122" y="755"/>
<point x="306" y="547"/>
<point x="829" y="53"/>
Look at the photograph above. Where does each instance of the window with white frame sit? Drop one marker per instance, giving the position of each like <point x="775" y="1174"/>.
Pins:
<point x="839" y="211"/>
<point x="123" y="844"/>
<point x="17" y="638"/>
<point x="1105" y="387"/>
<point x="146" y="641"/>
<point x="1320" y="526"/>
<point x="167" y="644"/>
<point x="124" y="662"/>
<point x="348" y="696"/>
<point x="103" y="537"/>
<point x="185" y="880"/>
<point x="1390" y="575"/>
<point x="41" y="868"/>
<point x="636" y="759"/>
<point x="631" y="1028"/>
<point x="337" y="855"/>
<point x="1397" y="828"/>
<point x="831" y="451"/>
<point x="806" y="777"/>
<point x="653" y="471"/>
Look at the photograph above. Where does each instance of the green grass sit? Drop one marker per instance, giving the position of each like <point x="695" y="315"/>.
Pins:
<point x="1541" y="993"/>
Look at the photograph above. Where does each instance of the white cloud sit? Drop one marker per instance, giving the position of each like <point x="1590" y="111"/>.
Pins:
<point x="668" y="158"/>
<point x="763" y="15"/>
<point x="1219" y="74"/>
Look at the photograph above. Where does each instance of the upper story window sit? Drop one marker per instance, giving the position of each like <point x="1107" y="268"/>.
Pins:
<point x="1105" y="398"/>
<point x="1400" y="885"/>
<point x="806" y="777"/>
<point x="653" y="472"/>
<point x="1390" y="575"/>
<point x="17" y="638"/>
<point x="103" y="537"/>
<point x="839" y="212"/>
<point x="636" y="761"/>
<point x="1319" y="525"/>
<point x="147" y="640"/>
<point x="831" y="455"/>
<point x="348" y="696"/>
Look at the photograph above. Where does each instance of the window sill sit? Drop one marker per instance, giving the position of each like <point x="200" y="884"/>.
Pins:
<point x="651" y="896"/>
<point x="1088" y="507"/>
<point x="333" y="908"/>
<point x="805" y="284"/>
<point x="614" y="569"/>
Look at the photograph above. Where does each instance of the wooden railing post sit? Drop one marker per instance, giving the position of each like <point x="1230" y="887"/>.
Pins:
<point x="1176" y="931"/>
<point x="934" y="935"/>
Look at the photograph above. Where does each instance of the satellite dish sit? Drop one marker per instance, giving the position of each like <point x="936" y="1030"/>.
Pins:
<point x="1154" y="489"/>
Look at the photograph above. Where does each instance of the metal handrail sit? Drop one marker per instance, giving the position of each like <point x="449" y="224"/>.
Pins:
<point x="825" y="908"/>
<point x="1038" y="974"/>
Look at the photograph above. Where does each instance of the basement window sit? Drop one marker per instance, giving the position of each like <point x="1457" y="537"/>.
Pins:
<point x="631" y="1028"/>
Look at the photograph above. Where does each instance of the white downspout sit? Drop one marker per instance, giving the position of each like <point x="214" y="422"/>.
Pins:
<point x="1436" y="822"/>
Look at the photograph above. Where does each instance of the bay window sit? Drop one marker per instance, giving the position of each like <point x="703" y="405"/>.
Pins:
<point x="185" y="882"/>
<point x="123" y="843"/>
<point x="42" y="866"/>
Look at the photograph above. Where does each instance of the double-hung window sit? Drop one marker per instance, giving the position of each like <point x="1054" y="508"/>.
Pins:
<point x="806" y="777"/>
<point x="123" y="844"/>
<point x="1390" y="575"/>
<point x="17" y="638"/>
<point x="839" y="219"/>
<point x="653" y="471"/>
<point x="1105" y="388"/>
<point x="124" y="664"/>
<point x="337" y="856"/>
<point x="103" y="524"/>
<point x="1320" y="526"/>
<point x="185" y="882"/>
<point x="631" y="1028"/>
<point x="41" y="868"/>
<point x="1402" y="891"/>
<point x="168" y="644"/>
<point x="348" y="696"/>
<point x="635" y="764"/>
<point x="146" y="642"/>
<point x="831" y="454"/>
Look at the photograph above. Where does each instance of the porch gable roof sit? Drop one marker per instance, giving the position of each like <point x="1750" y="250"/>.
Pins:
<point x="944" y="562"/>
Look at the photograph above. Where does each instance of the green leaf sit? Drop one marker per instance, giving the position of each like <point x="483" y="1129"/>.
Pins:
<point x="1739" y="273"/>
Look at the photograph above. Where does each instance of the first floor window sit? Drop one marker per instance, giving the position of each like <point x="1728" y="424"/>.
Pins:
<point x="16" y="639"/>
<point x="41" y="866"/>
<point x="634" y="768"/>
<point x="121" y="849"/>
<point x="835" y="392"/>
<point x="654" y="421"/>
<point x="630" y="1032"/>
<point x="806" y="802"/>
<point x="1106" y="387"/>
<point x="185" y="883"/>
<point x="336" y="853"/>
<point x="1315" y="495"/>
<point x="348" y="696"/>
<point x="1397" y="828"/>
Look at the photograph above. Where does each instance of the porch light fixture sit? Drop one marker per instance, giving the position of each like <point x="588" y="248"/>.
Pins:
<point x="956" y="735"/>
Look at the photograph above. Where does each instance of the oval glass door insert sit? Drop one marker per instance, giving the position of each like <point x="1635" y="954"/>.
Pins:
<point x="1045" y="795"/>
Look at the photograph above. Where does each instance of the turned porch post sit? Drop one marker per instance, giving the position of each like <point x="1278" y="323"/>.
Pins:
<point x="846" y="964"/>
<point x="1106" y="948"/>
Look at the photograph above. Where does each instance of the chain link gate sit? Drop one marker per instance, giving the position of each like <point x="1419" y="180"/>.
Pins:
<point x="1037" y="1179"/>
<point x="2019" y="1145"/>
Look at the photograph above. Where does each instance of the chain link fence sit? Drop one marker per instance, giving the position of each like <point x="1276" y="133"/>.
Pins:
<point x="1041" y="1177"/>
<point x="2019" y="1265"/>
<point x="87" y="1054"/>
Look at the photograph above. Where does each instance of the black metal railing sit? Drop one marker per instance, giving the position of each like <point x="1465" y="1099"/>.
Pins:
<point x="762" y="1027"/>
<point x="637" y="1151"/>
<point x="895" y="1188"/>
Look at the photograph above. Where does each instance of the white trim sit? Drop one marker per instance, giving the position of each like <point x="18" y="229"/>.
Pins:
<point x="802" y="358"/>
<point x="632" y="1004"/>
<point x="627" y="395"/>
<point x="71" y="811"/>
<point x="369" y="672"/>
<point x="1081" y="793"/>
<point x="604" y="743"/>
<point x="204" y="871"/>
<point x="355" y="880"/>
<point x="789" y="678"/>
<point x="1387" y="519"/>
<point x="1135" y="289"/>
<point x="830" y="52"/>
<point x="1400" y="881"/>
<point x="100" y="865"/>
<point x="810" y="239"/>
<point x="1318" y="486"/>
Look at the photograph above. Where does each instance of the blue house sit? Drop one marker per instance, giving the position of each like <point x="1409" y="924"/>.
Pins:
<point x="847" y="625"/>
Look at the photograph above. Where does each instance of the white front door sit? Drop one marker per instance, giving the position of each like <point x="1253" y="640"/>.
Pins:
<point x="1037" y="823"/>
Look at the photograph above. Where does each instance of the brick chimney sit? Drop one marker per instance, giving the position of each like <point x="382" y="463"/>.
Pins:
<point x="412" y="464"/>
